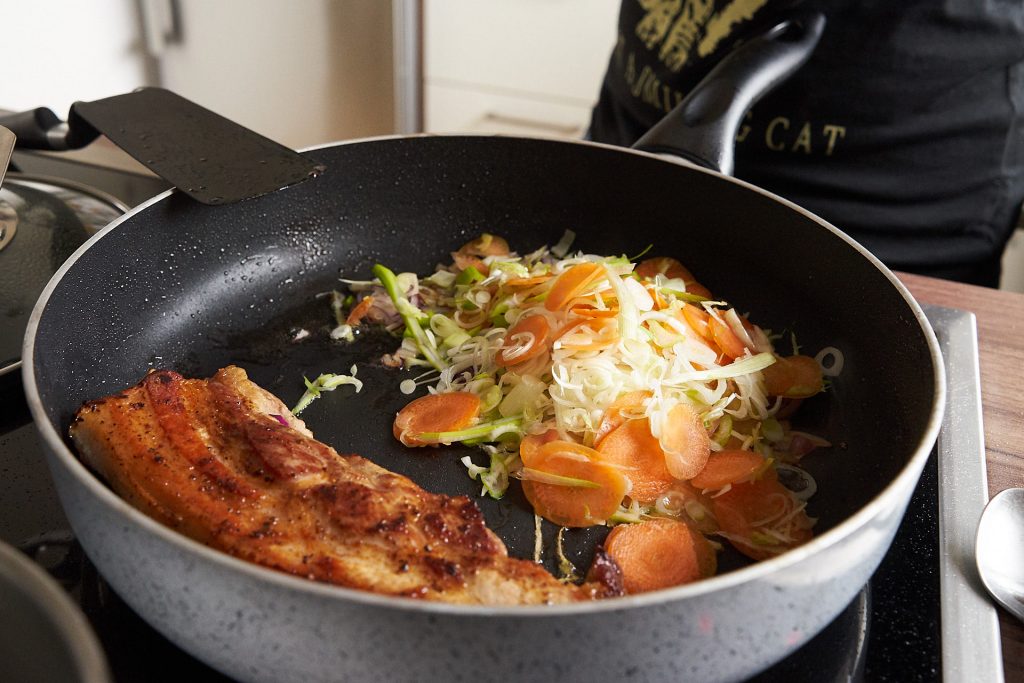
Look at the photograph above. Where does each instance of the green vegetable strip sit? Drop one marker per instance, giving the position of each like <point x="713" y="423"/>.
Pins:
<point x="493" y="478"/>
<point x="325" y="382"/>
<point x="542" y="477"/>
<point x="492" y="429"/>
<point x="410" y="315"/>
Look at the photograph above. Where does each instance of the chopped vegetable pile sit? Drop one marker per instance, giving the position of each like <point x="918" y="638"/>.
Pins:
<point x="618" y="393"/>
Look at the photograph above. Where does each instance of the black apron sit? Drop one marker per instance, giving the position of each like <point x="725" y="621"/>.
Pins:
<point x="905" y="129"/>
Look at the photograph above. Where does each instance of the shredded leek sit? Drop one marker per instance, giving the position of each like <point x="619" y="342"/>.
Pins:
<point x="742" y="366"/>
<point x="620" y="333"/>
<point x="494" y="478"/>
<point x="562" y="247"/>
<point x="325" y="382"/>
<point x="487" y="430"/>
<point x="410" y="315"/>
<point x="541" y="477"/>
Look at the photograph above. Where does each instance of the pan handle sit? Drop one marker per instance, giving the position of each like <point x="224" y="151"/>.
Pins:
<point x="702" y="128"/>
<point x="42" y="129"/>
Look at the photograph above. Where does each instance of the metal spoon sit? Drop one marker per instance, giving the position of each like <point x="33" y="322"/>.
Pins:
<point x="999" y="549"/>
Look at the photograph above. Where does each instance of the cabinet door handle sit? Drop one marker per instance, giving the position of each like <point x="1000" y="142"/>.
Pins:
<point x="161" y="25"/>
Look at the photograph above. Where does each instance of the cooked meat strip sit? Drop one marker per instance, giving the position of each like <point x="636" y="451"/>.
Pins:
<point x="226" y="463"/>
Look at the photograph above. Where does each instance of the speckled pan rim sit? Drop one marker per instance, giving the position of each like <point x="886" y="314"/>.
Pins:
<point x="896" y="492"/>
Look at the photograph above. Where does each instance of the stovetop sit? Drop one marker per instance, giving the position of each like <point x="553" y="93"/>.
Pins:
<point x="892" y="631"/>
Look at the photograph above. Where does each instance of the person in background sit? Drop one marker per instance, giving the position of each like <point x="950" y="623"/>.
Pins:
<point x="905" y="129"/>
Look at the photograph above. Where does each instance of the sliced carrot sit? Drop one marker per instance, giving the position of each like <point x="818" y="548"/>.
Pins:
<point x="725" y="338"/>
<point x="604" y="334"/>
<point x="633" y="449"/>
<point x="529" y="447"/>
<point x="729" y="467"/>
<point x="527" y="339"/>
<point x="663" y="265"/>
<point x="574" y="506"/>
<point x="359" y="311"/>
<point x="589" y="311"/>
<point x="788" y="408"/>
<point x="748" y="511"/>
<point x="685" y="442"/>
<point x="669" y="267"/>
<point x="793" y="377"/>
<point x="698" y="289"/>
<point x="570" y="283"/>
<point x="435" y="413"/>
<point x="626" y="406"/>
<point x="485" y="245"/>
<point x="568" y="327"/>
<point x="660" y="553"/>
<point x="691" y="505"/>
<point x="659" y="300"/>
<point x="527" y="281"/>
<point x="463" y="261"/>
<point x="697" y="319"/>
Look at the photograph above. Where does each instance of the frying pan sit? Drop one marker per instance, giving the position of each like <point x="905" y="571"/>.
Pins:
<point x="190" y="287"/>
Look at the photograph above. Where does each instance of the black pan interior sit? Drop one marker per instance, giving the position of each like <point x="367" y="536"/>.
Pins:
<point x="194" y="288"/>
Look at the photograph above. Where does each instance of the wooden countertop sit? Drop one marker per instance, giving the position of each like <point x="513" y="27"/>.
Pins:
<point x="1000" y="317"/>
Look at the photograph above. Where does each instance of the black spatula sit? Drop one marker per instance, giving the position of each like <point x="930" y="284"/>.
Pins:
<point x="210" y="158"/>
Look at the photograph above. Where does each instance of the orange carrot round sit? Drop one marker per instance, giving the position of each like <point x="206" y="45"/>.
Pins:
<point x="699" y="289"/>
<point x="530" y="446"/>
<point x="633" y="448"/>
<point x="527" y="339"/>
<point x="603" y="333"/>
<point x="435" y="413"/>
<point x="527" y="281"/>
<point x="485" y="245"/>
<point x="631" y="403"/>
<point x="685" y="442"/>
<point x="571" y="283"/>
<point x="464" y="261"/>
<point x="729" y="467"/>
<point x="660" y="553"/>
<point x="697" y="319"/>
<point x="748" y="510"/>
<point x="725" y="338"/>
<point x="670" y="267"/>
<point x="663" y="265"/>
<point x="793" y="377"/>
<point x="568" y="505"/>
<point x="359" y="311"/>
<point x="589" y="311"/>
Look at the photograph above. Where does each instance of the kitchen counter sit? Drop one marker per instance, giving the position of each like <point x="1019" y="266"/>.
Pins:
<point x="1000" y="318"/>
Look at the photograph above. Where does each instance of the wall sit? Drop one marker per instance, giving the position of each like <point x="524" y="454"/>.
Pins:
<point x="60" y="51"/>
<point x="302" y="72"/>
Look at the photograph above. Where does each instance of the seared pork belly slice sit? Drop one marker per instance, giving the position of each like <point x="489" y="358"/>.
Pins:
<point x="225" y="462"/>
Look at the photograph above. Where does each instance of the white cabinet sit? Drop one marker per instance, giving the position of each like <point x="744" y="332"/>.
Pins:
<point x="302" y="72"/>
<point x="531" y="67"/>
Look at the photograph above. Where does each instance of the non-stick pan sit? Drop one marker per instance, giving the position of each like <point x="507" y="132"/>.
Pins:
<point x="179" y="285"/>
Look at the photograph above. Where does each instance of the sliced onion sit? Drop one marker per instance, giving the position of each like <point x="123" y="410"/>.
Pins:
<point x="797" y="480"/>
<point x="837" y="361"/>
<point x="562" y="248"/>
<point x="732" y="319"/>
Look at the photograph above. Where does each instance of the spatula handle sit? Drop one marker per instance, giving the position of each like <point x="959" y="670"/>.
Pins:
<point x="42" y="129"/>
